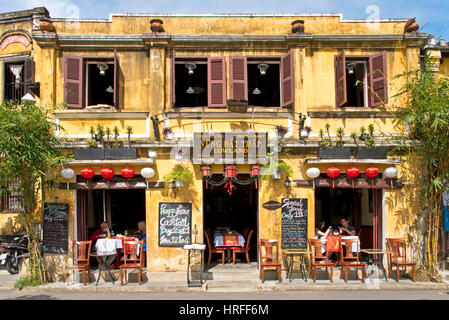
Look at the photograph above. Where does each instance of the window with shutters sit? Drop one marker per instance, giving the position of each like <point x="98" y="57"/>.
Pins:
<point x="18" y="76"/>
<point x="263" y="82"/>
<point x="13" y="200"/>
<point x="91" y="81"/>
<point x="360" y="81"/>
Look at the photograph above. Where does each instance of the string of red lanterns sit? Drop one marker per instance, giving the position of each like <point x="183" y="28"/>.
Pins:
<point x="353" y="173"/>
<point x="108" y="174"/>
<point x="333" y="172"/>
<point x="127" y="173"/>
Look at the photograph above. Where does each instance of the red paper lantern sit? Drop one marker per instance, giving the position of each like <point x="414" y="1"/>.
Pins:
<point x="206" y="172"/>
<point x="372" y="172"/>
<point x="230" y="171"/>
<point x="87" y="173"/>
<point x="255" y="171"/>
<point x="127" y="173"/>
<point x="108" y="174"/>
<point x="333" y="173"/>
<point x="353" y="173"/>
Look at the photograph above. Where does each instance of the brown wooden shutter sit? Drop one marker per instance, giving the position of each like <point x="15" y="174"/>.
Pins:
<point x="288" y="85"/>
<point x="28" y="75"/>
<point x="239" y="78"/>
<point x="73" y="81"/>
<point x="173" y="82"/>
<point x="116" y="80"/>
<point x="341" y="94"/>
<point x="378" y="93"/>
<point x="216" y="81"/>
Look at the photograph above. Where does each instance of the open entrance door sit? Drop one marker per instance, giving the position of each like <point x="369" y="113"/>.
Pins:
<point x="235" y="210"/>
<point x="362" y="207"/>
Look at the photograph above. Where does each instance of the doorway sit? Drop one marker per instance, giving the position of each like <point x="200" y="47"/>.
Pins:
<point x="236" y="211"/>
<point x="362" y="207"/>
<point x="122" y="209"/>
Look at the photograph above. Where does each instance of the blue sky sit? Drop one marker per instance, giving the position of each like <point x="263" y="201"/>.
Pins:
<point x="432" y="15"/>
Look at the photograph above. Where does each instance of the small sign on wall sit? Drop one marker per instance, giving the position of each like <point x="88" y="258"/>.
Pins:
<point x="174" y="224"/>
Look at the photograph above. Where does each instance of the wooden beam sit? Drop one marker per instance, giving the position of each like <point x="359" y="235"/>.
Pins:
<point x="112" y="186"/>
<point x="347" y="183"/>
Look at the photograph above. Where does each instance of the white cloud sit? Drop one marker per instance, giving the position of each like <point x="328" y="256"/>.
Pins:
<point x="57" y="8"/>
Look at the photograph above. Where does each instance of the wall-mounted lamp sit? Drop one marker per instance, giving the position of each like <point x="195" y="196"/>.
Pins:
<point x="103" y="67"/>
<point x="304" y="126"/>
<point x="263" y="68"/>
<point x="191" y="66"/>
<point x="288" y="182"/>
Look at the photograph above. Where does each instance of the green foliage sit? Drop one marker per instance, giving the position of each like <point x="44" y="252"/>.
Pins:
<point x="108" y="133"/>
<point x="425" y="117"/>
<point x="354" y="137"/>
<point x="271" y="167"/>
<point x="326" y="144"/>
<point x="129" y="131"/>
<point x="100" y="134"/>
<point x="30" y="152"/>
<point x="327" y="126"/>
<point x="28" y="281"/>
<point x="322" y="134"/>
<point x="92" y="144"/>
<point x="180" y="173"/>
<point x="340" y="134"/>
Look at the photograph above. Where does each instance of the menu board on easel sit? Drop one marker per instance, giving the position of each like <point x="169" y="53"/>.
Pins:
<point x="294" y="223"/>
<point x="174" y="224"/>
<point x="55" y="227"/>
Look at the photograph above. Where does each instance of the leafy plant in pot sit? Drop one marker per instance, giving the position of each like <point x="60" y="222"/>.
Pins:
<point x="95" y="150"/>
<point x="117" y="152"/>
<point x="179" y="175"/>
<point x="273" y="171"/>
<point x="327" y="149"/>
<point x="370" y="151"/>
<point x="168" y="133"/>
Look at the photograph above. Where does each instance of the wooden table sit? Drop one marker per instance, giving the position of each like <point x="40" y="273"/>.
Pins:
<point x="290" y="254"/>
<point x="373" y="258"/>
<point x="218" y="242"/>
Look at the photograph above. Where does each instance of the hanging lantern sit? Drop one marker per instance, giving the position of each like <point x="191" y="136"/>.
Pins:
<point x="313" y="173"/>
<point x="352" y="173"/>
<point x="230" y="171"/>
<point x="67" y="173"/>
<point x="333" y="173"/>
<point x="206" y="173"/>
<point x="372" y="172"/>
<point x="108" y="174"/>
<point x="391" y="173"/>
<point x="127" y="173"/>
<point x="255" y="172"/>
<point x="87" y="173"/>
<point x="147" y="173"/>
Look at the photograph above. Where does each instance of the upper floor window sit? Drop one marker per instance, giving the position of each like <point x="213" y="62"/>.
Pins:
<point x="361" y="81"/>
<point x="91" y="81"/>
<point x="16" y="79"/>
<point x="201" y="81"/>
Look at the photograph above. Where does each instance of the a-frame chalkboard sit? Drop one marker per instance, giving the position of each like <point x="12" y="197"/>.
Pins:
<point x="55" y="227"/>
<point x="294" y="223"/>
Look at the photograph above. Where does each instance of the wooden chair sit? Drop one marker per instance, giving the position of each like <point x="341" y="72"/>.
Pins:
<point x="268" y="259"/>
<point x="245" y="232"/>
<point x="212" y="248"/>
<point x="132" y="259"/>
<point x="80" y="256"/>
<point x="317" y="260"/>
<point x="348" y="260"/>
<point x="397" y="256"/>
<point x="244" y="249"/>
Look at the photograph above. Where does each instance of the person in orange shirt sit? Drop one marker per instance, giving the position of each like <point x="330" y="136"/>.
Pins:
<point x="102" y="232"/>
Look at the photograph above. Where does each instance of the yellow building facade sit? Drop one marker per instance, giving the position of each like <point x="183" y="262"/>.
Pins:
<point x="183" y="72"/>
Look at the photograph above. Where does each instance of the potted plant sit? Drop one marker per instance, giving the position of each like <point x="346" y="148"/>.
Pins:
<point x="298" y="26"/>
<point x="94" y="152"/>
<point x="152" y="152"/>
<point x="272" y="171"/>
<point x="168" y="133"/>
<point x="240" y="106"/>
<point x="370" y="151"/>
<point x="327" y="149"/>
<point x="281" y="131"/>
<point x="117" y="152"/>
<point x="179" y="176"/>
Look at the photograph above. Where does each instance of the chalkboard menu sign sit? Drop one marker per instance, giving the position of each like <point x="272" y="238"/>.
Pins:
<point x="55" y="227"/>
<point x="174" y="224"/>
<point x="294" y="223"/>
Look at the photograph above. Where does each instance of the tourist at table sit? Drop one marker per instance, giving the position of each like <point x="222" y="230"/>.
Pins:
<point x="143" y="234"/>
<point x="101" y="232"/>
<point x="321" y="231"/>
<point x="346" y="229"/>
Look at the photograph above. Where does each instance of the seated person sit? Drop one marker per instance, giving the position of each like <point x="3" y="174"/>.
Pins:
<point x="143" y="234"/>
<point x="321" y="231"/>
<point x="346" y="229"/>
<point x="102" y="232"/>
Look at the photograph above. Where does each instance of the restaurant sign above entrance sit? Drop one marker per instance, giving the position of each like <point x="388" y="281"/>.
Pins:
<point x="230" y="147"/>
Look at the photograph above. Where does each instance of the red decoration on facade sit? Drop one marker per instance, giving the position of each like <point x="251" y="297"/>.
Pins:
<point x="255" y="171"/>
<point x="206" y="173"/>
<point x="108" y="174"/>
<point x="87" y="173"/>
<point x="352" y="173"/>
<point x="127" y="173"/>
<point x="230" y="171"/>
<point x="333" y="173"/>
<point x="229" y="186"/>
<point x="372" y="172"/>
